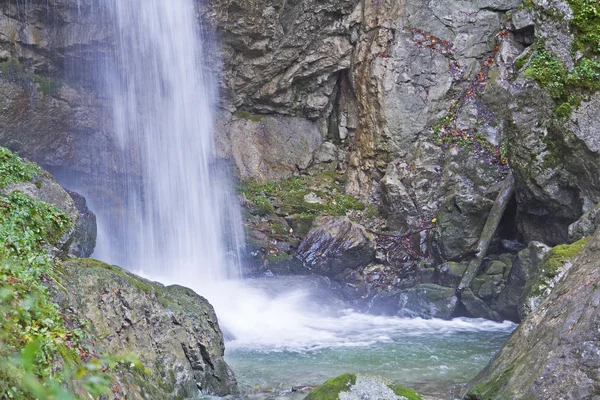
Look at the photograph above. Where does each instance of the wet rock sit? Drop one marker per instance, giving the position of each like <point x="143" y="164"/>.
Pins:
<point x="476" y="307"/>
<point x="270" y="148"/>
<point x="553" y="354"/>
<point x="525" y="267"/>
<point x="552" y="268"/>
<point x="487" y="286"/>
<point x="471" y="187"/>
<point x="174" y="331"/>
<point x="425" y="301"/>
<point x="495" y="267"/>
<point x="335" y="244"/>
<point x="586" y="225"/>
<point x="450" y="273"/>
<point x="84" y="237"/>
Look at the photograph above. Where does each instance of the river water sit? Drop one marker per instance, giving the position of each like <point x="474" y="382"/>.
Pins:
<point x="288" y="332"/>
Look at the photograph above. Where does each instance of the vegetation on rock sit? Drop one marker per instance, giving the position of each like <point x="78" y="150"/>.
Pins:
<point x="406" y="392"/>
<point x="565" y="86"/>
<point x="554" y="261"/>
<point x="41" y="353"/>
<point x="306" y="195"/>
<point x="13" y="71"/>
<point x="331" y="389"/>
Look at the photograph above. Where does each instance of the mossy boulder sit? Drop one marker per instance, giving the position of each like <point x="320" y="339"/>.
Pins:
<point x="361" y="387"/>
<point x="174" y="330"/>
<point x="551" y="269"/>
<point x="553" y="354"/>
<point x="331" y="389"/>
<point x="450" y="273"/>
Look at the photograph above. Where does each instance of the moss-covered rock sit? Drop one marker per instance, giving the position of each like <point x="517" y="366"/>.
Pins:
<point x="174" y="331"/>
<point x="361" y="387"/>
<point x="551" y="269"/>
<point x="331" y="389"/>
<point x="408" y="393"/>
<point x="553" y="354"/>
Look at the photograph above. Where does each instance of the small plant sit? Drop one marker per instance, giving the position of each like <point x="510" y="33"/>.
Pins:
<point x="47" y="86"/>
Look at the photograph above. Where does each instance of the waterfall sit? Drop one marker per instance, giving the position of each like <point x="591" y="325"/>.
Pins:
<point x="178" y="218"/>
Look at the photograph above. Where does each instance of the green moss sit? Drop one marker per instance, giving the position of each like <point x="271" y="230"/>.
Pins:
<point x="564" y="111"/>
<point x="527" y="4"/>
<point x="406" y="392"/>
<point x="248" y="116"/>
<point x="281" y="256"/>
<point x="586" y="25"/>
<point x="279" y="228"/>
<point x="141" y="284"/>
<point x="302" y="223"/>
<point x="491" y="389"/>
<point x="288" y="196"/>
<point x="15" y="170"/>
<point x="584" y="78"/>
<point x="520" y="62"/>
<point x="331" y="389"/>
<point x="12" y="70"/>
<point x="548" y="70"/>
<point x="39" y="347"/>
<point x="551" y="265"/>
<point x="559" y="255"/>
<point x="47" y="86"/>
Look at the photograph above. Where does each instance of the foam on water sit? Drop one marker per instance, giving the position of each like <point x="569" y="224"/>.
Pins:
<point x="300" y="320"/>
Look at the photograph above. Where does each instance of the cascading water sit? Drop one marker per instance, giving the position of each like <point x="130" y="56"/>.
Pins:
<point x="178" y="222"/>
<point x="179" y="214"/>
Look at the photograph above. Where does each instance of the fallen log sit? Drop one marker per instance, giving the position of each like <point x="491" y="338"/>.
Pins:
<point x="493" y="220"/>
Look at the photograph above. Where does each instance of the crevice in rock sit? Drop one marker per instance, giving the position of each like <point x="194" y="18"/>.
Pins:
<point x="525" y="36"/>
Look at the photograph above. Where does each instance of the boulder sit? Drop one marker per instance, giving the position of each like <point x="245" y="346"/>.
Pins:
<point x="361" y="387"/>
<point x="335" y="244"/>
<point x="525" y="268"/>
<point x="450" y="273"/>
<point x="476" y="307"/>
<point x="174" y="331"/>
<point x="586" y="225"/>
<point x="425" y="301"/>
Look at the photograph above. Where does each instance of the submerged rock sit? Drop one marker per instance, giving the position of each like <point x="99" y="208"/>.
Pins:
<point x="425" y="301"/>
<point x="174" y="331"/>
<point x="334" y="244"/>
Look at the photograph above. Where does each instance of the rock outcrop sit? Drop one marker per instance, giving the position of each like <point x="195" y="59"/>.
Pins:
<point x="174" y="331"/>
<point x="554" y="352"/>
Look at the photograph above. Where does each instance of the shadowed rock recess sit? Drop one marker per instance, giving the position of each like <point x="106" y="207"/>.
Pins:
<point x="431" y="158"/>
